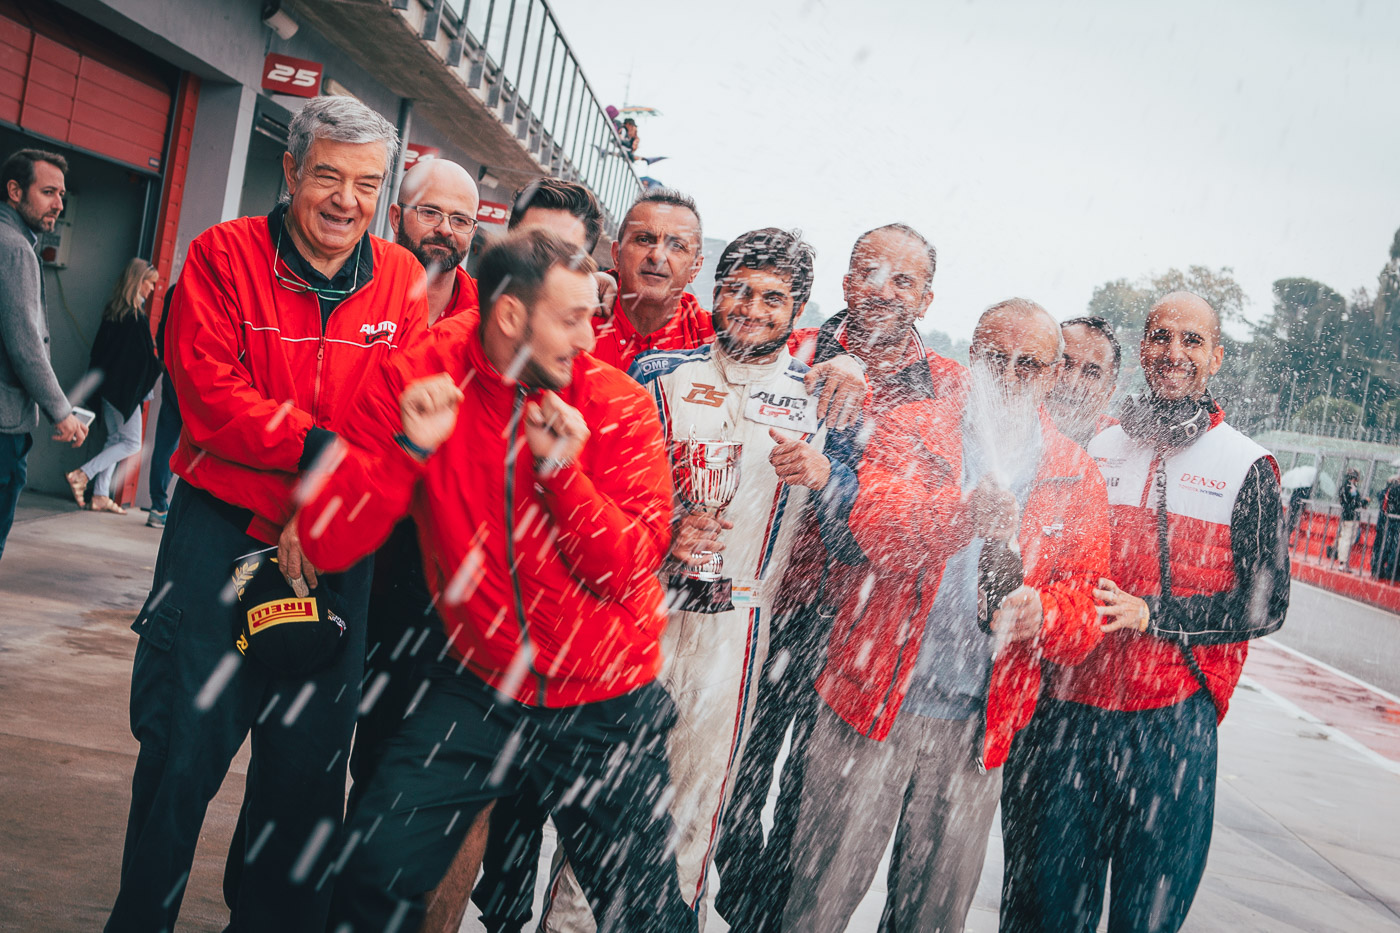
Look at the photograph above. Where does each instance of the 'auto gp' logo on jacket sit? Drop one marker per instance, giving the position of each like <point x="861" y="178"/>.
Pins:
<point x="381" y="331"/>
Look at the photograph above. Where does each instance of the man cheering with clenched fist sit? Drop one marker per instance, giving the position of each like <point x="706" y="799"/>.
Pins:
<point x="543" y="515"/>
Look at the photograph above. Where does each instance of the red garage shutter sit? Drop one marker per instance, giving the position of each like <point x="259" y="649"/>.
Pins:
<point x="15" y="41"/>
<point x="54" y="90"/>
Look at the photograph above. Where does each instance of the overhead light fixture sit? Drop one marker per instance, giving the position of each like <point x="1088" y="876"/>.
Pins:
<point x="279" y="22"/>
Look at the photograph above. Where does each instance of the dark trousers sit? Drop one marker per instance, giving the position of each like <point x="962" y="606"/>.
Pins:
<point x="1088" y="788"/>
<point x="755" y="876"/>
<point x="600" y="769"/>
<point x="168" y="426"/>
<point x="194" y="699"/>
<point x="14" y="472"/>
<point x="404" y="639"/>
<point x="505" y="893"/>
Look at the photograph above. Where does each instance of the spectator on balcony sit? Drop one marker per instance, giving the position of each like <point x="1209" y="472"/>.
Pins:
<point x="1352" y="504"/>
<point x="631" y="141"/>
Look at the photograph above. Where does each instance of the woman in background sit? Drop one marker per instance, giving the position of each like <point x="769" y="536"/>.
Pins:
<point x="124" y="356"/>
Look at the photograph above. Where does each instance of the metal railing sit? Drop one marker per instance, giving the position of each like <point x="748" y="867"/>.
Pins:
<point x="516" y="53"/>
<point x="1333" y="429"/>
<point x="1314" y="532"/>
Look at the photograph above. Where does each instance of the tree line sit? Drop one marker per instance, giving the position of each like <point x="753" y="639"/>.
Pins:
<point x="1316" y="356"/>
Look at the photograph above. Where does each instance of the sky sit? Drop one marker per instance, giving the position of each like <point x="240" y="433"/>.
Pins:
<point x="1044" y="148"/>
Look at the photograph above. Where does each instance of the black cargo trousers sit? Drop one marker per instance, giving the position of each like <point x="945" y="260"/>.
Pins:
<point x="194" y="699"/>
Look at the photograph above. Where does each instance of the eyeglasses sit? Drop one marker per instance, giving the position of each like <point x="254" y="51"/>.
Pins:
<point x="301" y="287"/>
<point x="431" y="216"/>
<point x="1027" y="367"/>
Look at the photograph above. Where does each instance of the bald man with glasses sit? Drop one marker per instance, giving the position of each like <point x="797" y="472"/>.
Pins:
<point x="434" y="218"/>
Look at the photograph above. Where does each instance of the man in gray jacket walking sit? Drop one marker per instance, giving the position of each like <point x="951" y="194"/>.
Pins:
<point x="33" y="199"/>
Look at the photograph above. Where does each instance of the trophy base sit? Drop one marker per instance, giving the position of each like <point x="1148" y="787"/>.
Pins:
<point x="685" y="593"/>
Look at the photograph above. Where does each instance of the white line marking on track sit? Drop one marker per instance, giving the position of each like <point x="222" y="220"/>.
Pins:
<point x="1332" y="670"/>
<point x="1332" y="732"/>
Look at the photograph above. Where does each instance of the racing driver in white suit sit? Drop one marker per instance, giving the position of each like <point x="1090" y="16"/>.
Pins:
<point x="745" y="388"/>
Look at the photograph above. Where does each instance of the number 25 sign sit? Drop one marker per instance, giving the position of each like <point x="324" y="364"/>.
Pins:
<point x="283" y="74"/>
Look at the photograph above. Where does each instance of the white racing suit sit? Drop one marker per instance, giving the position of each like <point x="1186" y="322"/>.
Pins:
<point x="713" y="660"/>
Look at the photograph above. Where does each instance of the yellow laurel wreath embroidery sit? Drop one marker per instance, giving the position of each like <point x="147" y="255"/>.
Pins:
<point x="242" y="574"/>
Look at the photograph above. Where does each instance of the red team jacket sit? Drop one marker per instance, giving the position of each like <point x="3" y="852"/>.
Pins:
<point x="909" y="519"/>
<point x="618" y="342"/>
<point x="587" y="542"/>
<point x="255" y="371"/>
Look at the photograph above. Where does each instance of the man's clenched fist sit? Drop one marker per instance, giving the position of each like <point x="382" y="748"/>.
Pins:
<point x="428" y="409"/>
<point x="554" y="429"/>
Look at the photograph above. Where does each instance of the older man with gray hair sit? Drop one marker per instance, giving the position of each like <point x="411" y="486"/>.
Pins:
<point x="275" y="323"/>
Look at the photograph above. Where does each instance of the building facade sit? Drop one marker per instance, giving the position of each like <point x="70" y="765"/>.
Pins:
<point x="173" y="115"/>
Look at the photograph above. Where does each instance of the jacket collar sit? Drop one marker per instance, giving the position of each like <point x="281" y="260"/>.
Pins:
<point x="11" y="217"/>
<point x="741" y="373"/>
<point x="359" y="267"/>
<point x="913" y="381"/>
<point x="493" y="383"/>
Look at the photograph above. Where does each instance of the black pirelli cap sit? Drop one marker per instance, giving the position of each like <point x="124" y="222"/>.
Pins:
<point x="285" y="633"/>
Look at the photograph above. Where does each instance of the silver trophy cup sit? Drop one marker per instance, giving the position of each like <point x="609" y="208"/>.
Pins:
<point x="706" y="476"/>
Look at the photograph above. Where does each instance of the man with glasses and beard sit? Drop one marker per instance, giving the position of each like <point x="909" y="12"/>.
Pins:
<point x="747" y="389"/>
<point x="275" y="325"/>
<point x="434" y="218"/>
<point x="985" y="529"/>
<point x="888" y="288"/>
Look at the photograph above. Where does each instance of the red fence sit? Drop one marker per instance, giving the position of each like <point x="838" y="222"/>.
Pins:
<point x="1313" y="549"/>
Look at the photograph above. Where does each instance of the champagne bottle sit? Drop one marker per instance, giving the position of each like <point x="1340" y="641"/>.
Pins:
<point x="999" y="573"/>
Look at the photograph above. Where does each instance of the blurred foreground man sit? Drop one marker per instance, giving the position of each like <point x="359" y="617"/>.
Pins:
<point x="544" y="513"/>
<point x="744" y="388"/>
<point x="888" y="288"/>
<point x="33" y="183"/>
<point x="927" y="681"/>
<point x="510" y="856"/>
<point x="275" y="324"/>
<point x="1121" y="757"/>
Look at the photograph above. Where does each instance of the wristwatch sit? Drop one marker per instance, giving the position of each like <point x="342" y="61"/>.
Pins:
<point x="548" y="466"/>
